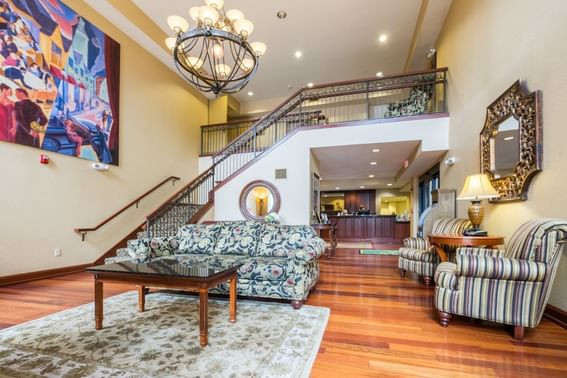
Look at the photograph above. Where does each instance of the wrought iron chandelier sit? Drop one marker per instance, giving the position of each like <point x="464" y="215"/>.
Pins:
<point x="215" y="55"/>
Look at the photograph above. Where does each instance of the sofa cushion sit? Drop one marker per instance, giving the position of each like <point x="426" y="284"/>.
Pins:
<point x="279" y="240"/>
<point x="216" y="261"/>
<point x="198" y="238"/>
<point x="164" y="246"/>
<point x="237" y="238"/>
<point x="139" y="248"/>
<point x="264" y="269"/>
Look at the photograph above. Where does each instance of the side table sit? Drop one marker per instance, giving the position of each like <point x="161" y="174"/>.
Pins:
<point x="438" y="241"/>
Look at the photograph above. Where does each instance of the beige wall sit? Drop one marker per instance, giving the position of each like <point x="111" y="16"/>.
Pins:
<point x="487" y="45"/>
<point x="159" y="137"/>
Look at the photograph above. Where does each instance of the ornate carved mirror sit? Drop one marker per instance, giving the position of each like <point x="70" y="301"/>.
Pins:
<point x="510" y="142"/>
<point x="258" y="199"/>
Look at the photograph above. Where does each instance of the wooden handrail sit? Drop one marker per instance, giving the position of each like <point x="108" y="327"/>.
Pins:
<point x="235" y="122"/>
<point x="84" y="231"/>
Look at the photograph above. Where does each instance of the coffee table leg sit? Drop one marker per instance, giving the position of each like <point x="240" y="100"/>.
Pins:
<point x="141" y="298"/>
<point x="98" y="304"/>
<point x="233" y="299"/>
<point x="203" y="316"/>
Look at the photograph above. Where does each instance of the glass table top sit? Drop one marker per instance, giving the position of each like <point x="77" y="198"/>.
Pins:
<point x="172" y="267"/>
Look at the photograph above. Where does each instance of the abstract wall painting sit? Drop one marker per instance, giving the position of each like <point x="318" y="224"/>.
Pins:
<point x="59" y="81"/>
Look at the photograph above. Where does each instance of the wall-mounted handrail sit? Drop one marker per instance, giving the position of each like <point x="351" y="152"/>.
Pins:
<point x="85" y="230"/>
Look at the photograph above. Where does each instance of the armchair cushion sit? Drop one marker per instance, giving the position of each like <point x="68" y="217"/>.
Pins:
<point x="417" y="243"/>
<point x="500" y="268"/>
<point x="418" y="254"/>
<point x="481" y="252"/>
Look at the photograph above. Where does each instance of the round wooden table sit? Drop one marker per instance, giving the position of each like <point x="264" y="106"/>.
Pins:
<point x="438" y="241"/>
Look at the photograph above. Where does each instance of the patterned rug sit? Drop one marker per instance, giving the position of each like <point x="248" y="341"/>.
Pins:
<point x="268" y="340"/>
<point x="387" y="252"/>
<point x="355" y="245"/>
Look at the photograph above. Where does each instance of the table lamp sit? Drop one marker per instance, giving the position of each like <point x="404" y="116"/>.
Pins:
<point x="476" y="188"/>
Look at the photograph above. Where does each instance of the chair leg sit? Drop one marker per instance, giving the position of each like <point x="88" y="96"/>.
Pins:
<point x="444" y="318"/>
<point x="428" y="280"/>
<point x="402" y="273"/>
<point x="519" y="333"/>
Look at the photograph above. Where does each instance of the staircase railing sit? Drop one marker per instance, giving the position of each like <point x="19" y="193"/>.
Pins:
<point x="393" y="96"/>
<point x="377" y="98"/>
<point x="215" y="137"/>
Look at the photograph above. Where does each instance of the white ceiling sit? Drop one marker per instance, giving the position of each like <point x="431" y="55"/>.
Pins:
<point x="348" y="167"/>
<point x="338" y="39"/>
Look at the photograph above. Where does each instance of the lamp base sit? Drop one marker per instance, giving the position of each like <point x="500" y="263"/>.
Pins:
<point x="476" y="214"/>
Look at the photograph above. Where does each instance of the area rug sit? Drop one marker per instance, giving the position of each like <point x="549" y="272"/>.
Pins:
<point x="355" y="245"/>
<point x="388" y="252"/>
<point x="268" y="340"/>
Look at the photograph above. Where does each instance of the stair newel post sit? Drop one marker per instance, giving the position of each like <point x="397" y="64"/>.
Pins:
<point x="368" y="100"/>
<point x="254" y="138"/>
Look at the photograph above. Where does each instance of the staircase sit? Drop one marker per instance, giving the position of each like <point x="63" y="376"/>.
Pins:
<point x="393" y="96"/>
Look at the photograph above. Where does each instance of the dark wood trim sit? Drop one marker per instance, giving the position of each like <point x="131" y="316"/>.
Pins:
<point x="248" y="188"/>
<point x="84" y="230"/>
<point x="328" y="126"/>
<point x="41" y="274"/>
<point x="556" y="315"/>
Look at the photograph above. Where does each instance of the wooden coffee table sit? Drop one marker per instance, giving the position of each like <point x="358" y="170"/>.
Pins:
<point x="438" y="241"/>
<point x="169" y="274"/>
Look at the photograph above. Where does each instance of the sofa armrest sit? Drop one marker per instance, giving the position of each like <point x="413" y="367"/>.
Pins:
<point x="500" y="268"/>
<point x="310" y="250"/>
<point x="164" y="246"/>
<point x="417" y="243"/>
<point x="475" y="251"/>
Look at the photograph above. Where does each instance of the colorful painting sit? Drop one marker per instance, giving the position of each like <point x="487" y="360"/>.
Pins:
<point x="59" y="81"/>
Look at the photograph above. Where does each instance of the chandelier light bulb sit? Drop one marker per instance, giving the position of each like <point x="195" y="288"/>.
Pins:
<point x="177" y="24"/>
<point x="194" y="13"/>
<point x="195" y="62"/>
<point x="222" y="70"/>
<point x="234" y="15"/>
<point x="170" y="42"/>
<point x="243" y="27"/>
<point x="209" y="16"/>
<point x="218" y="50"/>
<point x="247" y="64"/>
<point x="259" y="48"/>
<point x="217" y="4"/>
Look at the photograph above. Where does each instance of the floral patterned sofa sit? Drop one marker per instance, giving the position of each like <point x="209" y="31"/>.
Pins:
<point x="279" y="261"/>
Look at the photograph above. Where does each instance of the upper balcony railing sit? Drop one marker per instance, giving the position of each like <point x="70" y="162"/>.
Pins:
<point x="371" y="99"/>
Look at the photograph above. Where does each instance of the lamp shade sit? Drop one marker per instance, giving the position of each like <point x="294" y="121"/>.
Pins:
<point x="235" y="15"/>
<point x="177" y="24"/>
<point x="170" y="42"/>
<point x="259" y="48"/>
<point x="476" y="188"/>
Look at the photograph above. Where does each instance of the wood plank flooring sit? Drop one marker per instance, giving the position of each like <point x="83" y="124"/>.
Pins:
<point x="380" y="325"/>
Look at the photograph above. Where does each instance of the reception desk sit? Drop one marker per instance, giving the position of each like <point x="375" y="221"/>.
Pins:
<point x="362" y="227"/>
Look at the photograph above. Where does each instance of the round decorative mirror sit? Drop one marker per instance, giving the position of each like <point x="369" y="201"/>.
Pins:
<point x="258" y="199"/>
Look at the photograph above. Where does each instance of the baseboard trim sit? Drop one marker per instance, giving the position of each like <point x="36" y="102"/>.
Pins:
<point x="556" y="315"/>
<point x="41" y="274"/>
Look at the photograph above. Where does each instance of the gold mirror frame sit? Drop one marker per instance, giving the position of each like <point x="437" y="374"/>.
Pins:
<point x="519" y="103"/>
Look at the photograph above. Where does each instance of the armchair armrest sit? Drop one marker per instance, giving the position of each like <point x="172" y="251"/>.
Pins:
<point x="417" y="243"/>
<point x="500" y="268"/>
<point x="311" y="250"/>
<point x="480" y="251"/>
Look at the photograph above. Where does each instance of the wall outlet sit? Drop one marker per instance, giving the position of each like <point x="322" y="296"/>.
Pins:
<point x="57" y="252"/>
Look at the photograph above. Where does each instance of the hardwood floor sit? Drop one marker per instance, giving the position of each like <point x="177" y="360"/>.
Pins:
<point x="380" y="325"/>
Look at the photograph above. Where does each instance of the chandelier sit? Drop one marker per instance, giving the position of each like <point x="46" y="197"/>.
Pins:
<point x="216" y="56"/>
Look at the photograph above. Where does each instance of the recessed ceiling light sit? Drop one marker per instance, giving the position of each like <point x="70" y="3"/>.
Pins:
<point x="376" y="150"/>
<point x="389" y="184"/>
<point x="298" y="54"/>
<point x="250" y="93"/>
<point x="281" y="14"/>
<point x="362" y="187"/>
<point x="371" y="176"/>
<point x="509" y="138"/>
<point x="310" y="85"/>
<point x="379" y="74"/>
<point x="373" y="163"/>
<point x="383" y="38"/>
<point x="337" y="188"/>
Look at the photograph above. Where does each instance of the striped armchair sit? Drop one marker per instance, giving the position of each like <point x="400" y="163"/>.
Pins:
<point x="418" y="256"/>
<point x="510" y="287"/>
